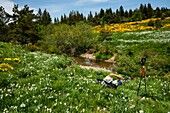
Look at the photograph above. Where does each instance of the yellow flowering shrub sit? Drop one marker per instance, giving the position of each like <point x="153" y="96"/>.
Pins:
<point x="12" y="59"/>
<point x="166" y="26"/>
<point x="128" y="26"/>
<point x="7" y="59"/>
<point x="17" y="59"/>
<point x="5" y="67"/>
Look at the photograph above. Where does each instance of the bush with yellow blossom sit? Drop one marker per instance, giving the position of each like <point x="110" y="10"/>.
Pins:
<point x="129" y="26"/>
<point x="5" y="67"/>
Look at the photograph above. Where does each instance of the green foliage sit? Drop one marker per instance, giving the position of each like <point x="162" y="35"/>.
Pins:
<point x="42" y="83"/>
<point x="137" y="16"/>
<point x="151" y="23"/>
<point x="44" y="18"/>
<point x="158" y="24"/>
<point x="71" y="40"/>
<point x="4" y="19"/>
<point x="4" y="80"/>
<point x="25" y="31"/>
<point x="25" y="27"/>
<point x="104" y="35"/>
<point x="32" y="48"/>
<point x="132" y="47"/>
<point x="100" y="56"/>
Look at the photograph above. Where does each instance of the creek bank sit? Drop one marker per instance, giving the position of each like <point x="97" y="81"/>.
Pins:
<point x="88" y="61"/>
<point x="92" y="57"/>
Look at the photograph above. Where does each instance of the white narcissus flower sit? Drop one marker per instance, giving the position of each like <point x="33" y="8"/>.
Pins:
<point x="141" y="111"/>
<point x="22" y="105"/>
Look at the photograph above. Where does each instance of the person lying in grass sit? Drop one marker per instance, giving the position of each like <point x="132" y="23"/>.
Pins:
<point x="108" y="81"/>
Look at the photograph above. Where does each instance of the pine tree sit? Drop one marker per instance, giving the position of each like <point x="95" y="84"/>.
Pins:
<point x="117" y="12"/>
<point x="121" y="10"/>
<point x="62" y="19"/>
<point x="109" y="11"/>
<point x="130" y="13"/>
<point x="46" y="19"/>
<point x="39" y="16"/>
<point x="90" y="17"/>
<point x="24" y="28"/>
<point x="65" y="20"/>
<point x="150" y="11"/>
<point x="141" y="8"/>
<point x="101" y="14"/>
<point x="145" y="12"/>
<point x="4" y="19"/>
<point x="56" y="21"/>
<point x="158" y="12"/>
<point x="126" y="14"/>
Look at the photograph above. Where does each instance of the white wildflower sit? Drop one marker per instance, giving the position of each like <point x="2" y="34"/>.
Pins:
<point x="35" y="101"/>
<point x="141" y="111"/>
<point x="132" y="106"/>
<point x="22" y="105"/>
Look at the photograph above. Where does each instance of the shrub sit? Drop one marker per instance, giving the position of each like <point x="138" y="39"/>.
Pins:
<point x="5" y="67"/>
<point x="32" y="47"/>
<point x="151" y="23"/>
<point x="71" y="40"/>
<point x="158" y="24"/>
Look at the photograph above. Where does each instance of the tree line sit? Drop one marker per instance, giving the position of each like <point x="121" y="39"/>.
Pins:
<point x="120" y="15"/>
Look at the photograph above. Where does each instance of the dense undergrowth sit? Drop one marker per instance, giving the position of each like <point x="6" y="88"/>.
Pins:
<point x="41" y="82"/>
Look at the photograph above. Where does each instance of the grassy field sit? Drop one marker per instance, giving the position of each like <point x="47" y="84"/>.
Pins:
<point x="40" y="82"/>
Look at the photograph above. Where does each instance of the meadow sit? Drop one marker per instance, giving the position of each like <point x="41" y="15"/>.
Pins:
<point x="41" y="82"/>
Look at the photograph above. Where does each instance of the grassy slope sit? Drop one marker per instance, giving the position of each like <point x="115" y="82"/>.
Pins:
<point x="41" y="82"/>
<point x="132" y="46"/>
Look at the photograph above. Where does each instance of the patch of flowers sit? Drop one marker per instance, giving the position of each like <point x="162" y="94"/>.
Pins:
<point x="5" y="67"/>
<point x="128" y="26"/>
<point x="12" y="59"/>
<point x="142" y="41"/>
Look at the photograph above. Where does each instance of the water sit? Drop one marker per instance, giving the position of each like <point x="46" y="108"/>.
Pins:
<point x="93" y="63"/>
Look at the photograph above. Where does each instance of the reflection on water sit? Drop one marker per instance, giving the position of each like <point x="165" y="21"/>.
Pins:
<point x="93" y="63"/>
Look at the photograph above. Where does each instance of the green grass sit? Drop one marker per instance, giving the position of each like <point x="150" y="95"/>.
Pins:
<point x="132" y="46"/>
<point x="43" y="82"/>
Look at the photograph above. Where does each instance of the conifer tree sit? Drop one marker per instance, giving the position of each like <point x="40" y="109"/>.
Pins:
<point x="4" y="19"/>
<point x="145" y="12"/>
<point x="141" y="8"/>
<point x="126" y="14"/>
<point x="46" y="19"/>
<point x="24" y="28"/>
<point x="121" y="10"/>
<point x="109" y="11"/>
<point x="90" y="17"/>
<point x="56" y="21"/>
<point x="130" y="13"/>
<point x="39" y="16"/>
<point x="101" y="14"/>
<point x="150" y="11"/>
<point x="158" y="12"/>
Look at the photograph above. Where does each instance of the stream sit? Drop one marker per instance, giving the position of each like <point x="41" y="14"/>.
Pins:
<point x="85" y="62"/>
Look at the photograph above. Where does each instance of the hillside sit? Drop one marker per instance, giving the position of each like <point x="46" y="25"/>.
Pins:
<point x="142" y="25"/>
<point x="41" y="82"/>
